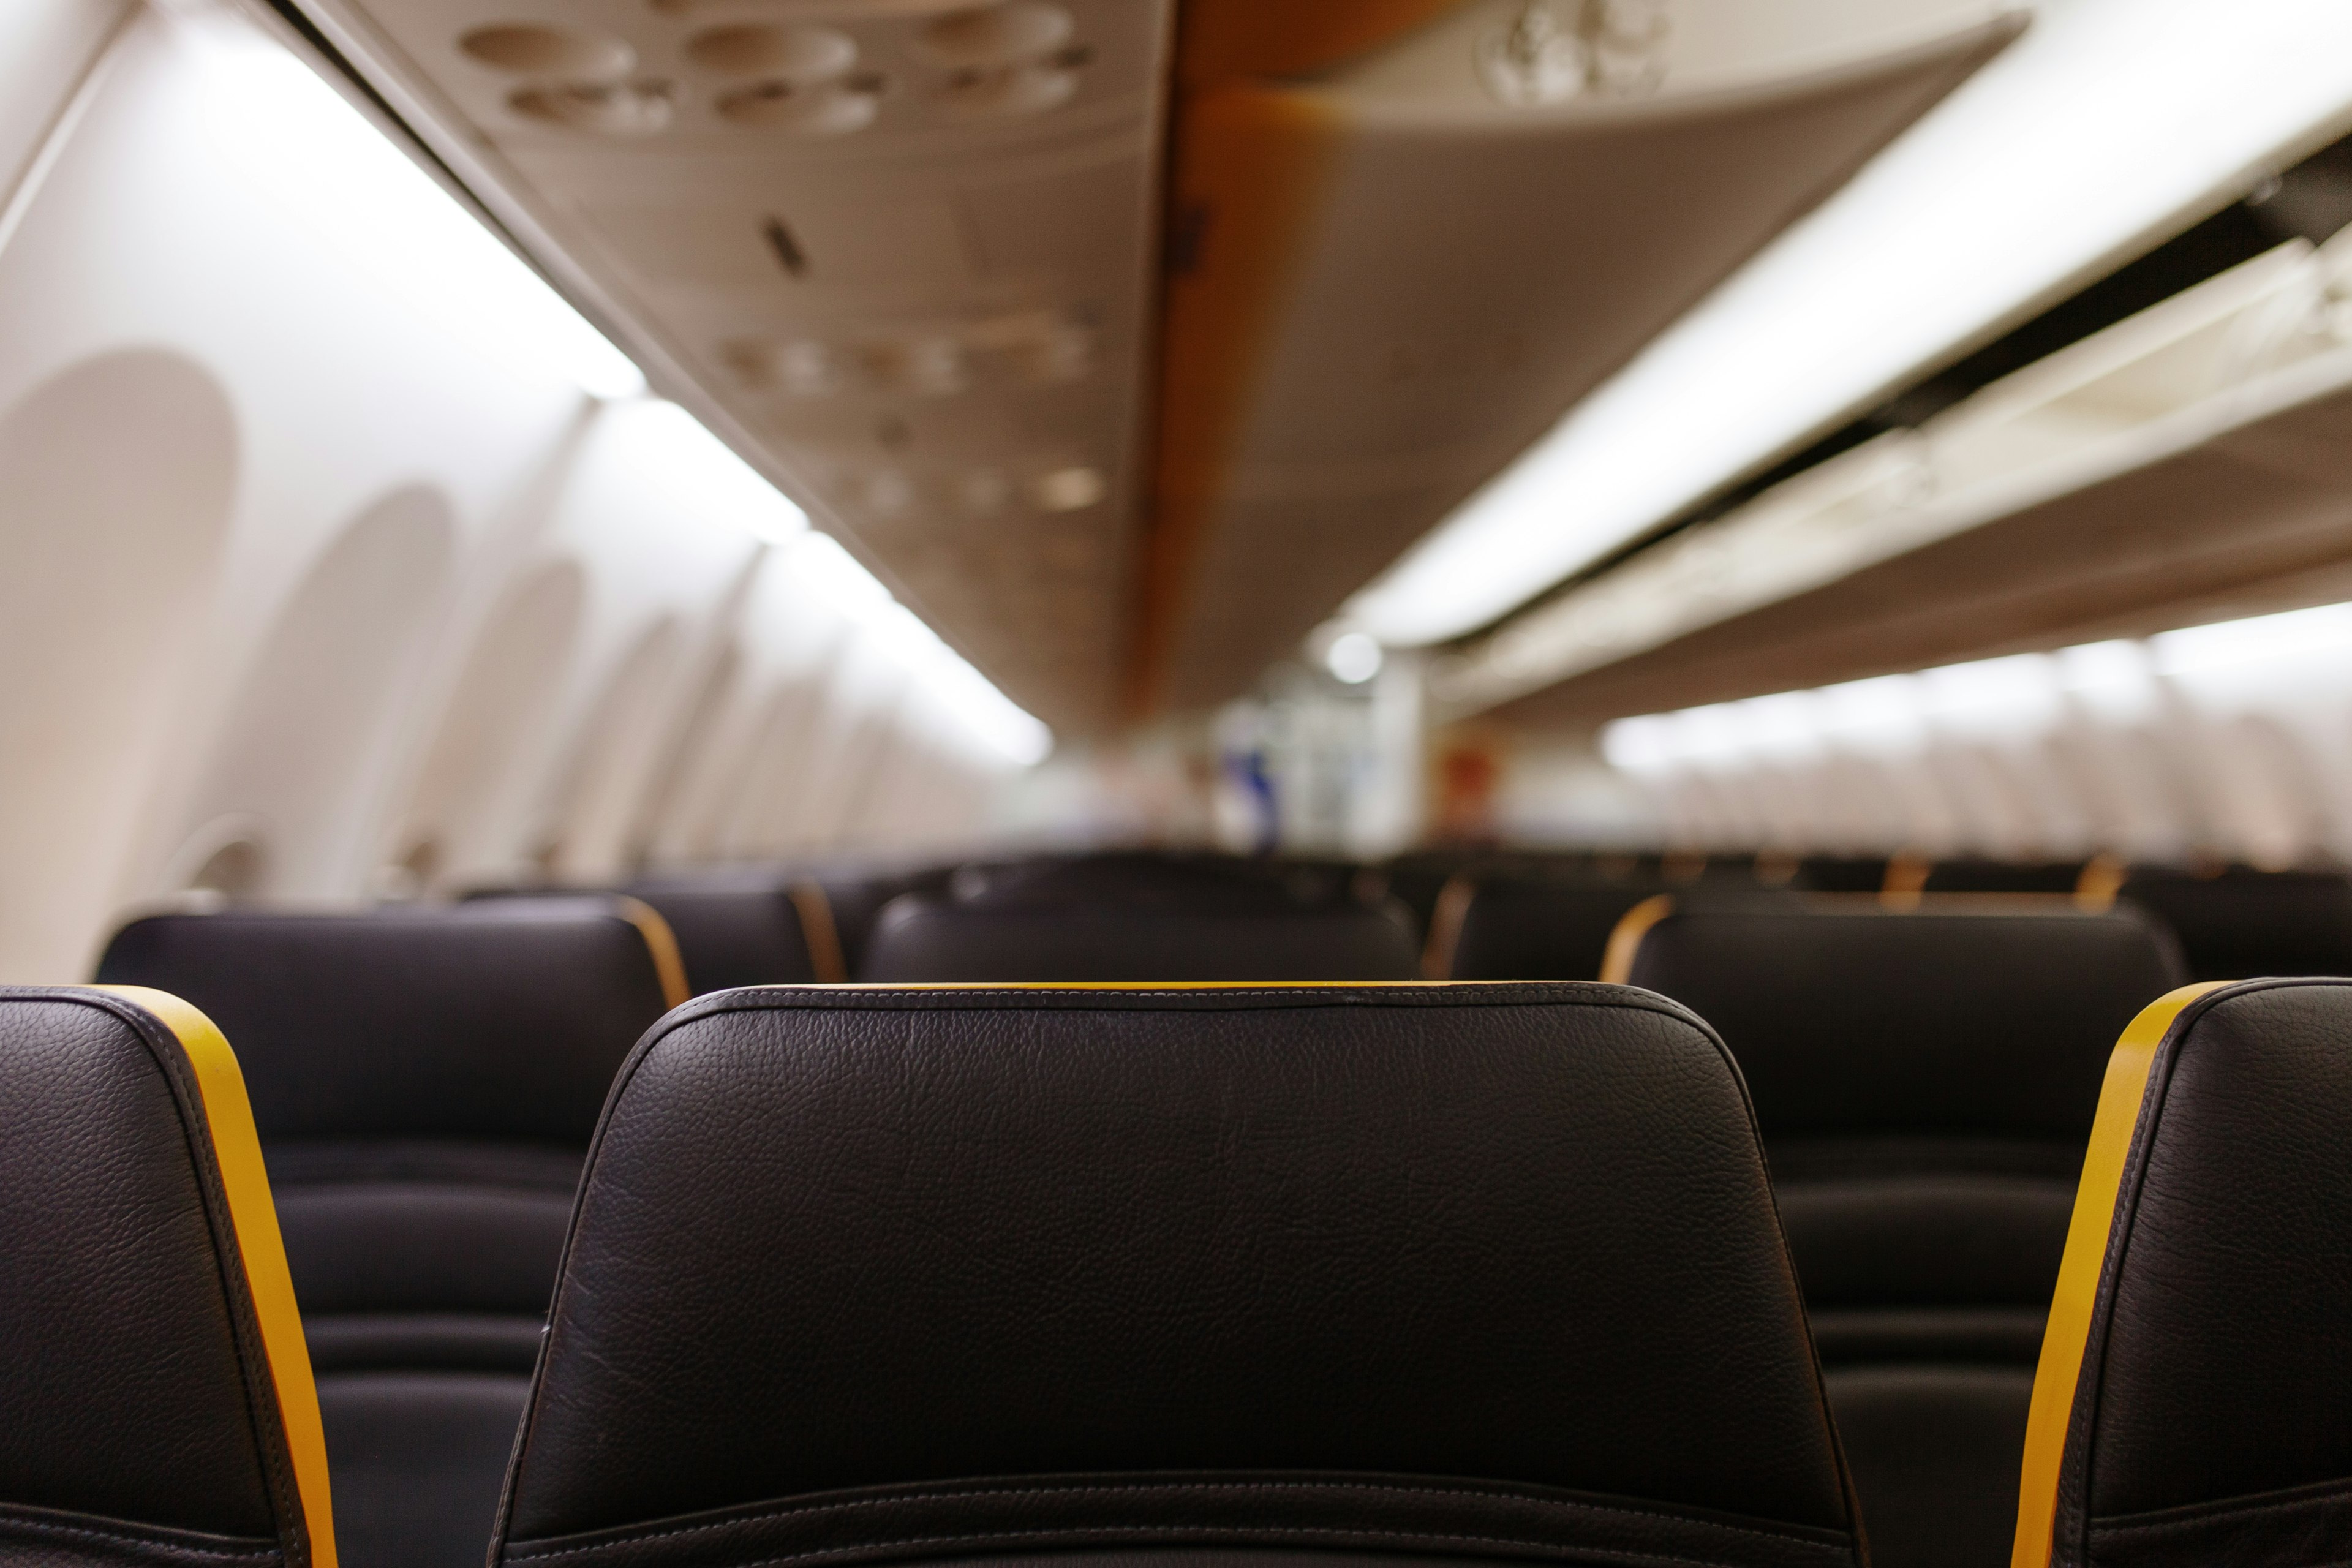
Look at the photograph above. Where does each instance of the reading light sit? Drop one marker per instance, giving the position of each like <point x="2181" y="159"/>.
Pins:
<point x="2108" y="125"/>
<point x="1353" y="657"/>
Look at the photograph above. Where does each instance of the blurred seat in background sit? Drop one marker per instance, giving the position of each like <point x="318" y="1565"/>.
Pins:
<point x="1925" y="1083"/>
<point x="425" y="1079"/>
<point x="1142" y="918"/>
<point x="155" y="1396"/>
<point x="1336" y="1275"/>
<point x="2241" y="923"/>
<point x="1841" y="873"/>
<point x="1969" y="875"/>
<point x="752" y="927"/>
<point x="1534" y="921"/>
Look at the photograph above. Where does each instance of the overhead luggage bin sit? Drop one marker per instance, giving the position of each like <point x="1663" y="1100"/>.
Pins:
<point x="1392" y="269"/>
<point x="898" y="255"/>
<point x="2186" y="464"/>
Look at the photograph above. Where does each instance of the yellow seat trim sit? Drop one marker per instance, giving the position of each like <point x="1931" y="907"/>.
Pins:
<point x="819" y="933"/>
<point x="1625" y="937"/>
<point x="1445" y="922"/>
<point x="2068" y="1333"/>
<point x="662" y="943"/>
<point x="253" y="1214"/>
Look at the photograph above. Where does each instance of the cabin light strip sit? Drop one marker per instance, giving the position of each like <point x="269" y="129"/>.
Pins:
<point x="2110" y="124"/>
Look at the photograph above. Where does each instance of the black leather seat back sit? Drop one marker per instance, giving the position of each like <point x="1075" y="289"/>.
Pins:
<point x="1531" y="925"/>
<point x="2190" y="1405"/>
<point x="1446" y="1272"/>
<point x="1150" y="919"/>
<point x="1925" y="1083"/>
<point x="747" y="928"/>
<point x="1160" y="877"/>
<point x="1988" y="1025"/>
<point x="2004" y="876"/>
<point x="155" y="1399"/>
<point x="2242" y="923"/>
<point x="426" y="1080"/>
<point x="1841" y="873"/>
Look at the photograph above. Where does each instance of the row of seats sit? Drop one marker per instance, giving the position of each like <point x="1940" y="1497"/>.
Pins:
<point x="425" y="1082"/>
<point x="1256" y="1276"/>
<point x="424" y="1186"/>
<point x="1173" y="917"/>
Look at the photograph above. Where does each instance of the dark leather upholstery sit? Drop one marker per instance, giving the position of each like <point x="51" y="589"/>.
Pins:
<point x="1841" y="873"/>
<point x="1545" y="923"/>
<point x="1252" y="1275"/>
<point x="424" y="1080"/>
<point x="1925" y="1083"/>
<point x="2208" y="1423"/>
<point x="2004" y="876"/>
<point x="857" y="899"/>
<point x="734" y="930"/>
<point x="1141" y="919"/>
<point x="1152" y="875"/>
<point x="2244" y="924"/>
<point x="138" y="1419"/>
<point x="1530" y="925"/>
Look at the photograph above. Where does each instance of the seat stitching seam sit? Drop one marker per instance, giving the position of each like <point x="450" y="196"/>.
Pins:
<point x="808" y="1508"/>
<point x="9" y="1521"/>
<point x="1367" y="991"/>
<point x="1327" y="1532"/>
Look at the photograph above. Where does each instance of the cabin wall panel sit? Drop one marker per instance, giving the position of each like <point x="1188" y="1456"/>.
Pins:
<point x="308" y="568"/>
<point x="117" y="476"/>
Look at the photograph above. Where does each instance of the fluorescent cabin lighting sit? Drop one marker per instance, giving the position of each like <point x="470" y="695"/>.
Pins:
<point x="343" y="179"/>
<point x="984" y="713"/>
<point x="705" y="472"/>
<point x="2286" y="635"/>
<point x="2108" y="124"/>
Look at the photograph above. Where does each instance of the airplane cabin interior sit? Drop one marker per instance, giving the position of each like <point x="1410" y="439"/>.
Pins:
<point x="1175" y="783"/>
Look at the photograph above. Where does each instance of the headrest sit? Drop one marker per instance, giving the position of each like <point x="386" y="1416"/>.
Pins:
<point x="1271" y="1267"/>
<point x="2245" y="924"/>
<point x="1841" y="873"/>
<point x="740" y="930"/>
<point x="2004" y="876"/>
<point x="2195" y="1375"/>
<point x="1527" y="925"/>
<point x="1551" y="924"/>
<point x="1142" y="877"/>
<point x="158" y="1395"/>
<point x="500" y="1019"/>
<point x="1969" y="1017"/>
<point x="926" y="938"/>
